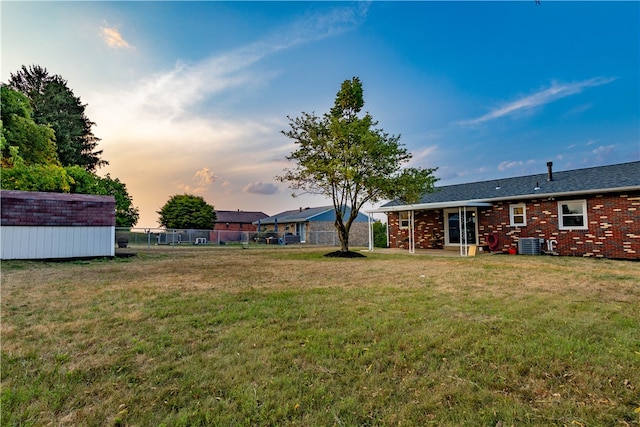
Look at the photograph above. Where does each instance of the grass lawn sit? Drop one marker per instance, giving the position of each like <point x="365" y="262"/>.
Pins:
<point x="285" y="336"/>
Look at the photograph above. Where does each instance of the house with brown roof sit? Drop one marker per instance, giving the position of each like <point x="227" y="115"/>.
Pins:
<point x="235" y="226"/>
<point x="237" y="220"/>
<point x="590" y="212"/>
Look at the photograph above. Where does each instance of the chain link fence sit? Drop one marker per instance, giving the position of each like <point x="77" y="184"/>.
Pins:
<point x="126" y="237"/>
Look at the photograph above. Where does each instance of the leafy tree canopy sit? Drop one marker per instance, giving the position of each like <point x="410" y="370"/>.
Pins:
<point x="41" y="120"/>
<point x="36" y="143"/>
<point x="55" y="105"/>
<point x="187" y="211"/>
<point x="342" y="155"/>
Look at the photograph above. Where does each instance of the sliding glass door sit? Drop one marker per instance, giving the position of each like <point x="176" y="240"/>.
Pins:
<point x="457" y="224"/>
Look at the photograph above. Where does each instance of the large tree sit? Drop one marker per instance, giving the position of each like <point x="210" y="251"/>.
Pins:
<point x="344" y="156"/>
<point x="55" y="105"/>
<point x="35" y="143"/>
<point x="29" y="151"/>
<point x="186" y="211"/>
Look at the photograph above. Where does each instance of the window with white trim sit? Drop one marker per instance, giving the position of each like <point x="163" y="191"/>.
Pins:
<point x="404" y="219"/>
<point x="572" y="215"/>
<point x="518" y="215"/>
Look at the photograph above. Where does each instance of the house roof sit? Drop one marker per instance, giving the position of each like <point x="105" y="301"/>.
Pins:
<point x="302" y="215"/>
<point x="241" y="217"/>
<point x="611" y="178"/>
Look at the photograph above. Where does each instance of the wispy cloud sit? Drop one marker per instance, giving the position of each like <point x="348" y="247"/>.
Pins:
<point x="114" y="39"/>
<point x="169" y="94"/>
<point x="162" y="118"/>
<point x="506" y="165"/>
<point x="542" y="97"/>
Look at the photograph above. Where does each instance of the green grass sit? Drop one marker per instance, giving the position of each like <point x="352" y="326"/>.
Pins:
<point x="288" y="337"/>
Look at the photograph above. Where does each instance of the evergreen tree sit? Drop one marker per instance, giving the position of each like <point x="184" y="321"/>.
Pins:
<point x="55" y="105"/>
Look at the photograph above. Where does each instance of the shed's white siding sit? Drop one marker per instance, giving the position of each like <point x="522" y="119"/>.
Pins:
<point x="48" y="242"/>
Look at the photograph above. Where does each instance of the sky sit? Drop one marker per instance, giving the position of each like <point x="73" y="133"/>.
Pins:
<point x="192" y="97"/>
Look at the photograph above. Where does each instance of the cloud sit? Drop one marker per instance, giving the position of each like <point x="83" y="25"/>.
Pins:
<point x="514" y="164"/>
<point x="260" y="188"/>
<point x="603" y="152"/>
<point x="114" y="39"/>
<point x="424" y="153"/>
<point x="199" y="183"/>
<point x="180" y="117"/>
<point x="172" y="92"/>
<point x="204" y="177"/>
<point x="545" y="96"/>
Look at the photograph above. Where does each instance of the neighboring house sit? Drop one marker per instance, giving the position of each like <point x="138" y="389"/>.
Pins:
<point x="592" y="212"/>
<point x="235" y="226"/>
<point x="237" y="220"/>
<point x="315" y="226"/>
<point x="38" y="225"/>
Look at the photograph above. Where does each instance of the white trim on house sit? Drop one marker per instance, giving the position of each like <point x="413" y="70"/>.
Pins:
<point x="513" y="214"/>
<point x="463" y="233"/>
<point x="428" y="206"/>
<point x="489" y="202"/>
<point x="583" y="214"/>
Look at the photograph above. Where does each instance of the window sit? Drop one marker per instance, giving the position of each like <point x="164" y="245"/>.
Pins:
<point x="404" y="219"/>
<point x="518" y="215"/>
<point x="572" y="215"/>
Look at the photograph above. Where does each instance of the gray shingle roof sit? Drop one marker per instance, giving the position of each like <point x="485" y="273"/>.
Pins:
<point x="297" y="215"/>
<point x="241" y="217"/>
<point x="573" y="182"/>
<point x="306" y="214"/>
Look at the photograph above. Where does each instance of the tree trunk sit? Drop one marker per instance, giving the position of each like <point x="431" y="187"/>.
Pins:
<point x="343" y="234"/>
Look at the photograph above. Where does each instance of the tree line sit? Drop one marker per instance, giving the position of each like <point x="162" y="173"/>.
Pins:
<point x="47" y="142"/>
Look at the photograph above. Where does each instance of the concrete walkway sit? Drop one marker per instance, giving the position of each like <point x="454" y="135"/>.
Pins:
<point x="429" y="252"/>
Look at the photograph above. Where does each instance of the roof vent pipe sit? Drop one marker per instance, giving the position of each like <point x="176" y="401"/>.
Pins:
<point x="549" y="171"/>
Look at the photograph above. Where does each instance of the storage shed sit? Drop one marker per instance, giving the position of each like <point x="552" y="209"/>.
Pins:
<point x="37" y="225"/>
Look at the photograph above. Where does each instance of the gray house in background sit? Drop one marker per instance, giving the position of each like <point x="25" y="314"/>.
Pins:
<point x="315" y="226"/>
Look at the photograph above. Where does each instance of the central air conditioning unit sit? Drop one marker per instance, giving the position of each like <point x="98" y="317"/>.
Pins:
<point x="529" y="245"/>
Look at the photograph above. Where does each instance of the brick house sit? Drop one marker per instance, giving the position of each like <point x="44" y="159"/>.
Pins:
<point x="235" y="226"/>
<point x="39" y="225"/>
<point x="315" y="226"/>
<point x="591" y="212"/>
<point x="237" y="220"/>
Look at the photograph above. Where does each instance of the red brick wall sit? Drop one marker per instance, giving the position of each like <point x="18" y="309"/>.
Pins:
<point x="613" y="226"/>
<point x="32" y="208"/>
<point x="429" y="226"/>
<point x="235" y="226"/>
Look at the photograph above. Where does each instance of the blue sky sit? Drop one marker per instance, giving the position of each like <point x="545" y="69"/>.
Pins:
<point x="192" y="96"/>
